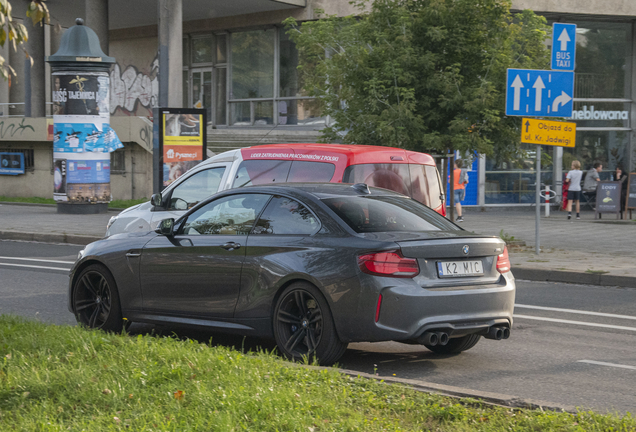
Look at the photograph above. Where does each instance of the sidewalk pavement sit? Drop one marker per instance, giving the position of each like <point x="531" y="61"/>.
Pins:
<point x="586" y="251"/>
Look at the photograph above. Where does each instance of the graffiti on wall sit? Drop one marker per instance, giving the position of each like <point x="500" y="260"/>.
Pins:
<point x="132" y="89"/>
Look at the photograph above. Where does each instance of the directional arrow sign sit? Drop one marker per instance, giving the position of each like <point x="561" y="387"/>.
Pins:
<point x="539" y="93"/>
<point x="563" y="46"/>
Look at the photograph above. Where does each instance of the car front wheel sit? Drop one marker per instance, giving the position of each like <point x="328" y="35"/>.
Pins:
<point x="303" y="325"/>
<point x="96" y="300"/>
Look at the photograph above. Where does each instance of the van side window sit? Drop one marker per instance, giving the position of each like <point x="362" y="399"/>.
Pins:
<point x="435" y="193"/>
<point x="394" y="177"/>
<point x="196" y="188"/>
<point x="302" y="171"/>
<point x="419" y="184"/>
<point x="258" y="172"/>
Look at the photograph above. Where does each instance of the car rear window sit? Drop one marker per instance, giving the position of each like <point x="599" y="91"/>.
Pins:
<point x="388" y="213"/>
<point x="394" y="177"/>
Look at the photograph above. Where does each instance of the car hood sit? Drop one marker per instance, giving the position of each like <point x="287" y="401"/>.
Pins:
<point x="142" y="206"/>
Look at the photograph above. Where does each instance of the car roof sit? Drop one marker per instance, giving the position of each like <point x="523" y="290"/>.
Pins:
<point x="319" y="190"/>
<point x="354" y="153"/>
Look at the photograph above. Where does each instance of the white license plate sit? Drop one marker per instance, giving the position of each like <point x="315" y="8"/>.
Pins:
<point x="460" y="268"/>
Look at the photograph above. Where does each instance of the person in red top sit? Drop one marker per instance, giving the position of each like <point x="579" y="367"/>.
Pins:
<point x="460" y="178"/>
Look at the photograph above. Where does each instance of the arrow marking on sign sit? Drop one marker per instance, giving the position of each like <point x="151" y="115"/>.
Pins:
<point x="538" y="86"/>
<point x="517" y="85"/>
<point x="527" y="125"/>
<point x="564" y="39"/>
<point x="560" y="100"/>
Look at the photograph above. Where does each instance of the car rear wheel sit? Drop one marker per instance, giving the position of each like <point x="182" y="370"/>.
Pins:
<point x="456" y="345"/>
<point x="96" y="300"/>
<point x="303" y="325"/>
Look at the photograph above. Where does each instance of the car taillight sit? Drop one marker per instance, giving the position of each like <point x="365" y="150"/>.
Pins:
<point x="503" y="261"/>
<point x="388" y="263"/>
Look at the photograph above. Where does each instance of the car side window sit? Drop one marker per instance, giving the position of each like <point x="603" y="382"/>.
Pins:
<point x="196" y="188"/>
<point x="286" y="216"/>
<point x="230" y="215"/>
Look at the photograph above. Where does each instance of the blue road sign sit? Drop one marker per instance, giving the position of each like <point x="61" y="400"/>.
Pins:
<point x="563" y="46"/>
<point x="539" y="93"/>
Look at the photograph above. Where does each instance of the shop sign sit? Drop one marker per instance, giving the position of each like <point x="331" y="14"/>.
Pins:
<point x="546" y="132"/>
<point x="183" y="141"/>
<point x="11" y="163"/>
<point x="592" y="114"/>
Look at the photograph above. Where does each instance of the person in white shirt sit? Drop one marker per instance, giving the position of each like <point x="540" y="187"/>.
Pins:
<point x="574" y="191"/>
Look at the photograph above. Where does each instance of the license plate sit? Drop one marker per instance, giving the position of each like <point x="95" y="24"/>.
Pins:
<point x="460" y="268"/>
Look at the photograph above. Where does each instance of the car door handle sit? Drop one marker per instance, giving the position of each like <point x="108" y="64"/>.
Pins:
<point x="231" y="246"/>
<point x="133" y="254"/>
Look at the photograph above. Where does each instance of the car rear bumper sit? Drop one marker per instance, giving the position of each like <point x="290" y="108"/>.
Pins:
<point x="407" y="310"/>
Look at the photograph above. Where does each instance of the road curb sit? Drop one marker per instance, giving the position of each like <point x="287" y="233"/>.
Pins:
<point x="541" y="275"/>
<point x="48" y="238"/>
<point x="499" y="399"/>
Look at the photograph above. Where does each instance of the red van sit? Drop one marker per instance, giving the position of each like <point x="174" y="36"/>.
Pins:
<point x="408" y="172"/>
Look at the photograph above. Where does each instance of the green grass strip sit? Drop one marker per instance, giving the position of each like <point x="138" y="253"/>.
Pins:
<point x="38" y="200"/>
<point x="59" y="378"/>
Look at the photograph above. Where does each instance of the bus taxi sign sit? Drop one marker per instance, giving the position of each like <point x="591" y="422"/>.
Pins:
<point x="547" y="132"/>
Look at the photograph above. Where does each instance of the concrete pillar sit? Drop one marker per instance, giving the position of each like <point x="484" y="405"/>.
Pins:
<point x="170" y="53"/>
<point x="97" y="19"/>
<point x="34" y="82"/>
<point x="16" y="84"/>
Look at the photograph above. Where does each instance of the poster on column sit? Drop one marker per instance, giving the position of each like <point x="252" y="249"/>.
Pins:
<point x="183" y="141"/>
<point x="85" y="93"/>
<point x="81" y="178"/>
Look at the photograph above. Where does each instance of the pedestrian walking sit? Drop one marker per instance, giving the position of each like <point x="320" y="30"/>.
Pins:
<point x="573" y="179"/>
<point x="459" y="188"/>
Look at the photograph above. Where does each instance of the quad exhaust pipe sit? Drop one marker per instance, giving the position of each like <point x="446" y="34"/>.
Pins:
<point x="434" y="338"/>
<point x="498" y="333"/>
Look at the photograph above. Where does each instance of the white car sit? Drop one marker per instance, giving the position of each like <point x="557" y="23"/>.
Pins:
<point x="410" y="173"/>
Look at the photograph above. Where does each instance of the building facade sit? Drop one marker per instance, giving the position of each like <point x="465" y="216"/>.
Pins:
<point x="236" y="60"/>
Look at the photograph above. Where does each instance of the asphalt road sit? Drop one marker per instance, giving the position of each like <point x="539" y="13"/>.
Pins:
<point x="571" y="344"/>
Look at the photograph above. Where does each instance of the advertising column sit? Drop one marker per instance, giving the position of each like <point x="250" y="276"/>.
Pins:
<point x="82" y="139"/>
<point x="82" y="136"/>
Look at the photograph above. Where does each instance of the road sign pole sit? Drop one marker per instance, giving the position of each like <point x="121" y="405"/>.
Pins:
<point x="537" y="201"/>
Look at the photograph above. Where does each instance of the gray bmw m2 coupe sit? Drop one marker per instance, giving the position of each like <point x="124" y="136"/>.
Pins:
<point x="314" y="266"/>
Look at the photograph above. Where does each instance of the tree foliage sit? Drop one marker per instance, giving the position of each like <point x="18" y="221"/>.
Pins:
<point x="427" y="75"/>
<point x="16" y="33"/>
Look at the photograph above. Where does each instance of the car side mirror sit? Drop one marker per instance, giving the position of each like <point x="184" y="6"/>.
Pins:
<point x="156" y="199"/>
<point x="166" y="227"/>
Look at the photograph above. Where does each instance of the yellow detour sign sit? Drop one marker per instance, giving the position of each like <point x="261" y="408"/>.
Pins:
<point x="556" y="133"/>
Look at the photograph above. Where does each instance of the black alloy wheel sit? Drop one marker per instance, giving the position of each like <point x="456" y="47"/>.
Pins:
<point x="303" y="326"/>
<point x="96" y="300"/>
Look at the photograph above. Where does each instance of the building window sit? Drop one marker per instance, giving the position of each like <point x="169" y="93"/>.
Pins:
<point x="248" y="78"/>
<point x="29" y="156"/>
<point x="253" y="64"/>
<point x="118" y="162"/>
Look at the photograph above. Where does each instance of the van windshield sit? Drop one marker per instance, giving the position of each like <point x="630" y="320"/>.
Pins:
<point x="388" y="213"/>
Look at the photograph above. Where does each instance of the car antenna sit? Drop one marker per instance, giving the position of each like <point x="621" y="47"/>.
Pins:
<point x="362" y="188"/>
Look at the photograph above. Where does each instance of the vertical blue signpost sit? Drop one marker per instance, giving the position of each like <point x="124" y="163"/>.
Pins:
<point x="545" y="93"/>
<point x="563" y="46"/>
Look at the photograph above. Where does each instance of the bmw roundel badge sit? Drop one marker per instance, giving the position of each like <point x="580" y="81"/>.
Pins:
<point x="465" y="249"/>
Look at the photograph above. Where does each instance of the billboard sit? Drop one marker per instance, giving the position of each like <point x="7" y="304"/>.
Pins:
<point x="183" y="141"/>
